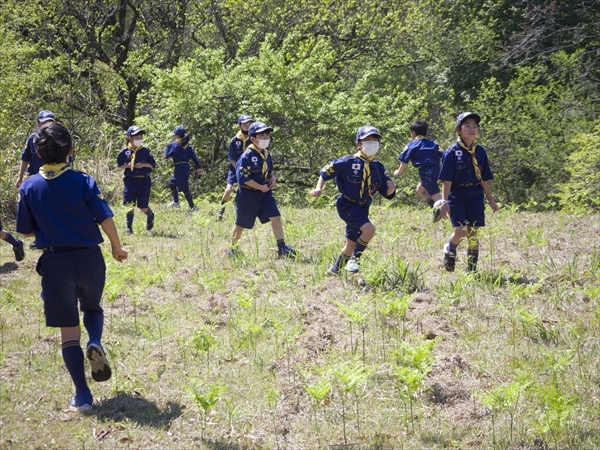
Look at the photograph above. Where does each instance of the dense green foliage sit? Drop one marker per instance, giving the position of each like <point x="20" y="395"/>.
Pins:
<point x="315" y="70"/>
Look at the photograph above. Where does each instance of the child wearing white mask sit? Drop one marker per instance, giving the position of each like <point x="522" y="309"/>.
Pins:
<point x="254" y="197"/>
<point x="357" y="177"/>
<point x="137" y="163"/>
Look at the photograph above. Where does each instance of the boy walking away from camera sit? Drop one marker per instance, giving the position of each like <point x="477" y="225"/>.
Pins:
<point x="30" y="161"/>
<point x="357" y="177"/>
<point x="17" y="245"/>
<point x="466" y="175"/>
<point x="425" y="155"/>
<point x="181" y="153"/>
<point x="237" y="146"/>
<point x="62" y="208"/>
<point x="137" y="162"/>
<point x="254" y="197"/>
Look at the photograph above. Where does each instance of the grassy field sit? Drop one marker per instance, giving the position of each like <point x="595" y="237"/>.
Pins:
<point x="267" y="353"/>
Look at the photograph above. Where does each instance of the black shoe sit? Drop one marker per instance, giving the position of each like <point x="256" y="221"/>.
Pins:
<point x="100" y="368"/>
<point x="150" y="222"/>
<point x="449" y="259"/>
<point x="19" y="250"/>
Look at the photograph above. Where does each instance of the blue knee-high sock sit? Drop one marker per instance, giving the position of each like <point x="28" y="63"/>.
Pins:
<point x="11" y="239"/>
<point x="472" y="258"/>
<point x="430" y="202"/>
<point x="340" y="261"/>
<point x="73" y="357"/>
<point x="452" y="247"/>
<point x="129" y="221"/>
<point x="149" y="212"/>
<point x="188" y="197"/>
<point x="175" y="195"/>
<point x="93" y="321"/>
<point x="359" y="248"/>
<point x="280" y="244"/>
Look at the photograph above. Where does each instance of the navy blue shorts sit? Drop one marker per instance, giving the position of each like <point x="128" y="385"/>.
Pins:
<point x="466" y="206"/>
<point x="180" y="178"/>
<point x="67" y="277"/>
<point x="231" y="177"/>
<point x="137" y="191"/>
<point x="250" y="204"/>
<point x="429" y="179"/>
<point x="354" y="215"/>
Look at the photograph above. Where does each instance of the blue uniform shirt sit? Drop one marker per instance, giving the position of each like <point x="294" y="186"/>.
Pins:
<point x="142" y="155"/>
<point x="181" y="155"/>
<point x="421" y="152"/>
<point x="251" y="166"/>
<point x="29" y="155"/>
<point x="64" y="211"/>
<point x="237" y="146"/>
<point x="457" y="166"/>
<point x="348" y="173"/>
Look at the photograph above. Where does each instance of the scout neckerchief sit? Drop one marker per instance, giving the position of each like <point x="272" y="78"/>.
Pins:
<point x="471" y="150"/>
<point x="366" y="178"/>
<point x="133" y="153"/>
<point x="51" y="171"/>
<point x="265" y="166"/>
<point x="244" y="138"/>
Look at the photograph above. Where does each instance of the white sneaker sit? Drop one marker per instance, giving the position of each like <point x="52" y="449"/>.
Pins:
<point x="352" y="265"/>
<point x="194" y="208"/>
<point x="173" y="205"/>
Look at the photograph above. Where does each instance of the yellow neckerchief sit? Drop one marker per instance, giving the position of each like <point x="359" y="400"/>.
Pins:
<point x="366" y="178"/>
<point x="265" y="166"/>
<point x="133" y="153"/>
<point x="51" y="171"/>
<point x="244" y="138"/>
<point x="419" y="137"/>
<point x="472" y="152"/>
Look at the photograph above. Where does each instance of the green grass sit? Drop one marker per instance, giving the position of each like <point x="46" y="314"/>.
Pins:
<point x="259" y="352"/>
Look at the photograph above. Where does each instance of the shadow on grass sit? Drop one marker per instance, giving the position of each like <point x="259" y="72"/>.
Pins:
<point x="136" y="409"/>
<point x="8" y="267"/>
<point x="222" y="444"/>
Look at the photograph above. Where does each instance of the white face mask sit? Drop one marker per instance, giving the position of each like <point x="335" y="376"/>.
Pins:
<point x="263" y="143"/>
<point x="369" y="148"/>
<point x="137" y="142"/>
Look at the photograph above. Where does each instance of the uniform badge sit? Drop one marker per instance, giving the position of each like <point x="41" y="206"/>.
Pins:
<point x="458" y="152"/>
<point x="238" y="143"/>
<point x="254" y="159"/>
<point x="355" y="166"/>
<point x="128" y="153"/>
<point x="101" y="197"/>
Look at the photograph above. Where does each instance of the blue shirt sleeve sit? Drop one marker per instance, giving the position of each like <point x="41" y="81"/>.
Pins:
<point x="95" y="201"/>
<point x="405" y="155"/>
<point x="29" y="149"/>
<point x="193" y="157"/>
<point x="447" y="170"/>
<point x="25" y="220"/>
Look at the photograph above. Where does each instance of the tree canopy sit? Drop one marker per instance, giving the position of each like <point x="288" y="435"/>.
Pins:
<point x="315" y="70"/>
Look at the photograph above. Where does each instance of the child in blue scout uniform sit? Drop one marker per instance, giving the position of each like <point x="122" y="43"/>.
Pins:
<point x="466" y="175"/>
<point x="237" y="146"/>
<point x="181" y="153"/>
<point x="137" y="162"/>
<point x="30" y="161"/>
<point x="254" y="197"/>
<point x="425" y="155"/>
<point x="63" y="208"/>
<point x="17" y="245"/>
<point x="357" y="177"/>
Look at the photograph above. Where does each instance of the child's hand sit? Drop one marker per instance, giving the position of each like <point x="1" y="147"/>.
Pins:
<point x="397" y="172"/>
<point x="120" y="254"/>
<point x="264" y="188"/>
<point x="493" y="205"/>
<point x="445" y="211"/>
<point x="316" y="193"/>
<point x="199" y="171"/>
<point x="272" y="182"/>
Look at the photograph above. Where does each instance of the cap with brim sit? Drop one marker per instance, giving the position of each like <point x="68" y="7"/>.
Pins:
<point x="466" y="115"/>
<point x="133" y="131"/>
<point x="259" y="127"/>
<point x="365" y="131"/>
<point x="45" y="116"/>
<point x="244" y="118"/>
<point x="179" y="131"/>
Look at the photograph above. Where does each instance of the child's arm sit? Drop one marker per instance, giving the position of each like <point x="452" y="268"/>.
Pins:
<point x="259" y="187"/>
<point x="110" y="229"/>
<point x="487" y="190"/>
<point x="445" y="194"/>
<point x="316" y="192"/>
<point x="22" y="170"/>
<point x="400" y="169"/>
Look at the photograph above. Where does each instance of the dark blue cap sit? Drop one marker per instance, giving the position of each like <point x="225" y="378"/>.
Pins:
<point x="365" y="131"/>
<point x="45" y="116"/>
<point x="259" y="127"/>
<point x="464" y="116"/>
<point x="179" y="131"/>
<point x="245" y="118"/>
<point x="133" y="130"/>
